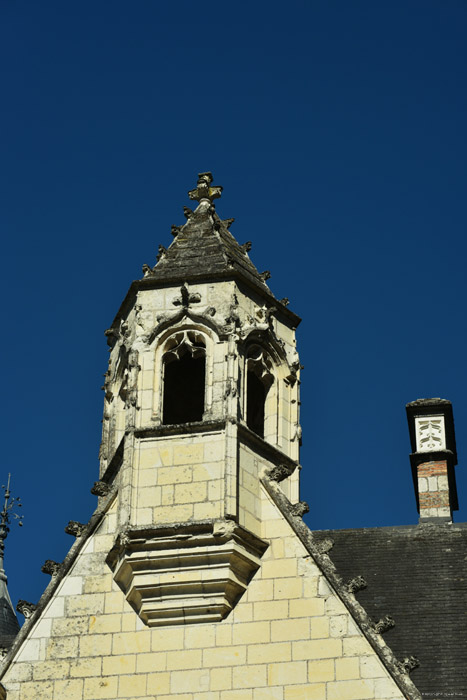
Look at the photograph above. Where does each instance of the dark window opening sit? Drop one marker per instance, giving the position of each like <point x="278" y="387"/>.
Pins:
<point x="184" y="390"/>
<point x="255" y="400"/>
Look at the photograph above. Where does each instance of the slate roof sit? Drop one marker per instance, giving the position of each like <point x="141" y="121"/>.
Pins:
<point x="417" y="575"/>
<point x="9" y="625"/>
<point x="204" y="247"/>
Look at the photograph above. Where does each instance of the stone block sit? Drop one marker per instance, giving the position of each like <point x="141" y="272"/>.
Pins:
<point x="347" y="669"/>
<point x="253" y="676"/>
<point x="132" y="686"/>
<point x="269" y="653"/>
<point x="224" y="656"/>
<point x="321" y="670"/>
<point x="315" y="691"/>
<point x="189" y="681"/>
<point x="33" y="691"/>
<point x="350" y="690"/>
<point x="188" y="454"/>
<point x="287" y="587"/>
<point x="47" y="670"/>
<point x="200" y="637"/>
<point x="105" y="623"/>
<point x="158" y="683"/>
<point x="186" y="659"/>
<point x="338" y="625"/>
<point x="86" y="667"/>
<point x="119" y="665"/>
<point x="371" y="667"/>
<point x="251" y="633"/>
<point x="69" y="689"/>
<point x="155" y="661"/>
<point x="62" y="648"/>
<point x="167" y="639"/>
<point x="317" y="649"/>
<point x="287" y="673"/>
<point x="98" y="584"/>
<point x="174" y="475"/>
<point x="288" y="630"/>
<point x="131" y="642"/>
<point x="100" y="688"/>
<point x="221" y="679"/>
<point x="85" y="604"/>
<point x="95" y="645"/>
<point x="72" y="585"/>
<point x="271" y="610"/>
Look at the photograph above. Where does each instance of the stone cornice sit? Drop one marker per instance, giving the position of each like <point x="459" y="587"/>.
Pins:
<point x="236" y="275"/>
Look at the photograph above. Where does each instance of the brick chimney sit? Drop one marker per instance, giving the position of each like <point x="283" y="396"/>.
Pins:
<point x="433" y="458"/>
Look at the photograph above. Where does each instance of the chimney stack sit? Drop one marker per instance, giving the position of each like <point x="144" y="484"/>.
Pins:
<point x="433" y="458"/>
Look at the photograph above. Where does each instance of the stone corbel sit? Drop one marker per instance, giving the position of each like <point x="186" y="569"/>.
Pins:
<point x="75" y="528"/>
<point x="51" y="567"/>
<point x="25" y="608"/>
<point x="384" y="624"/>
<point x="408" y="664"/>
<point x="356" y="584"/>
<point x="300" y="509"/>
<point x="100" y="488"/>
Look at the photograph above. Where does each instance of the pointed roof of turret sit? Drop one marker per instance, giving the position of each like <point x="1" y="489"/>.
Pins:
<point x="204" y="246"/>
<point x="203" y="249"/>
<point x="9" y="625"/>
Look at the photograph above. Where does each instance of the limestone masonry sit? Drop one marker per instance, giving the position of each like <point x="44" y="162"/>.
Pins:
<point x="196" y="578"/>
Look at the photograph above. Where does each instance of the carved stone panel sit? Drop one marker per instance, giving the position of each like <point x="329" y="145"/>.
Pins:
<point x="430" y="433"/>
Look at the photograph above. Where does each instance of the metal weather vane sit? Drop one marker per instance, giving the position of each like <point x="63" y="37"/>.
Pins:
<point x="7" y="514"/>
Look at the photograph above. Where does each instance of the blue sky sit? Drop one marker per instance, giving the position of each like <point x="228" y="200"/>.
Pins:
<point x="337" y="129"/>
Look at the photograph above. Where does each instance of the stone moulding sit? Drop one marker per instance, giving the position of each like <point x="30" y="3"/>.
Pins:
<point x="186" y="573"/>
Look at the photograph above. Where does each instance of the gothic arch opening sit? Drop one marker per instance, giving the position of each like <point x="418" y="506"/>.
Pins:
<point x="184" y="372"/>
<point x="259" y="379"/>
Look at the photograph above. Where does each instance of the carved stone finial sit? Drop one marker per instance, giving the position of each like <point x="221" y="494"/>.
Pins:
<point x="356" y="584"/>
<point x="75" y="528"/>
<point x="162" y="251"/>
<point x="246" y="246"/>
<point x="51" y="567"/>
<point x="185" y="298"/>
<point x="325" y="545"/>
<point x="187" y="212"/>
<point x="100" y="488"/>
<point x="148" y="271"/>
<point x="26" y="608"/>
<point x="299" y="509"/>
<point x="285" y="301"/>
<point x="408" y="664"/>
<point x="175" y="230"/>
<point x="228" y="222"/>
<point x="279" y="473"/>
<point x="204" y="189"/>
<point x="384" y="624"/>
<point x="265" y="275"/>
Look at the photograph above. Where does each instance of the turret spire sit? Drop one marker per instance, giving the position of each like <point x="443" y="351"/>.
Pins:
<point x="9" y="625"/>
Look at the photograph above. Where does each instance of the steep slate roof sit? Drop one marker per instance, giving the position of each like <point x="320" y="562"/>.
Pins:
<point x="9" y="625"/>
<point x="418" y="576"/>
<point x="204" y="247"/>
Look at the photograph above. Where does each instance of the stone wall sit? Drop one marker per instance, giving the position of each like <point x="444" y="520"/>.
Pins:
<point x="289" y="638"/>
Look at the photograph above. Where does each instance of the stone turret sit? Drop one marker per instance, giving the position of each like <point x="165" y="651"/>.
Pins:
<point x="201" y="399"/>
